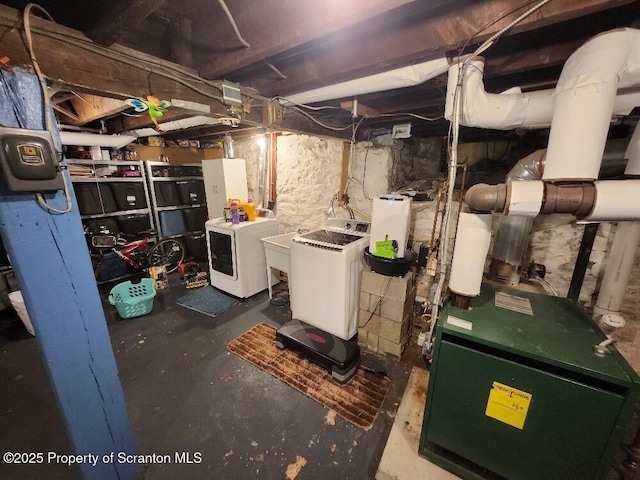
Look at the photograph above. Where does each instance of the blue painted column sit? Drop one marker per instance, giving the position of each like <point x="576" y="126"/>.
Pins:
<point x="51" y="262"/>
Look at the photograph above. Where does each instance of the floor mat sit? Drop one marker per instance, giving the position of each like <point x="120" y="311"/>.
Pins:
<point x="207" y="300"/>
<point x="358" y="402"/>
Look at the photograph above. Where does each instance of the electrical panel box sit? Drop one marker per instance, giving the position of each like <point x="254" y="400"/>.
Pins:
<point x="518" y="390"/>
<point x="29" y="161"/>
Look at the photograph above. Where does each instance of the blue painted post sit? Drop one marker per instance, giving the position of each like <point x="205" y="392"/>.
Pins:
<point x="51" y="262"/>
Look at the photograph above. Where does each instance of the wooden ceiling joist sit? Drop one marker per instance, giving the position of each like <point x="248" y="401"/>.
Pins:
<point x="122" y="16"/>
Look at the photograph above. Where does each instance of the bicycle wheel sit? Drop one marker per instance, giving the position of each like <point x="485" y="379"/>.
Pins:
<point x="169" y="253"/>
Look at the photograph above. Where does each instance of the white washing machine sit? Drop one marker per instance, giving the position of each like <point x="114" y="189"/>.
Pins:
<point x="237" y="263"/>
<point x="324" y="278"/>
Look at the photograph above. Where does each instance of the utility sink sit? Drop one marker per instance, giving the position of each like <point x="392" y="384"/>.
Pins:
<point x="276" y="250"/>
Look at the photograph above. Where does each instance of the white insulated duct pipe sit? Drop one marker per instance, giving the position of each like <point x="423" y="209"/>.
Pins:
<point x="624" y="249"/>
<point x="95" y="139"/>
<point x="512" y="108"/>
<point x="469" y="253"/>
<point x="380" y="82"/>
<point x="584" y="102"/>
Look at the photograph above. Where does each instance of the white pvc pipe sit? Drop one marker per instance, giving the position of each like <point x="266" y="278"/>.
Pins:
<point x="469" y="254"/>
<point x="94" y="139"/>
<point x="380" y="82"/>
<point x="584" y="101"/>
<point x="510" y="109"/>
<point x="619" y="264"/>
<point x="616" y="200"/>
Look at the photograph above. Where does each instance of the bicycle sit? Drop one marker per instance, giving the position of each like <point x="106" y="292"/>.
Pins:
<point x="139" y="254"/>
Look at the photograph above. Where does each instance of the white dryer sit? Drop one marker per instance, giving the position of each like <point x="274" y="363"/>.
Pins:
<point x="237" y="263"/>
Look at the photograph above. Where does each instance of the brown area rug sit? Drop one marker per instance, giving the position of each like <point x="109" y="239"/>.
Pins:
<point x="358" y="401"/>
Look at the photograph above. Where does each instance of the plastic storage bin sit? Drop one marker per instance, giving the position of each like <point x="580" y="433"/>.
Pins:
<point x="166" y="194"/>
<point x="129" y="195"/>
<point x="134" y="224"/>
<point x="171" y="223"/>
<point x="196" y="246"/>
<point x="133" y="299"/>
<point x="191" y="191"/>
<point x="194" y="218"/>
<point x="94" y="198"/>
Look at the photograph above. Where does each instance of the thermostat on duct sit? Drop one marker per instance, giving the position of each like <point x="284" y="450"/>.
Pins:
<point x="29" y="161"/>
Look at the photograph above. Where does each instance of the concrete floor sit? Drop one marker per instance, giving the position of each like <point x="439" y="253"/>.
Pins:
<point x="185" y="392"/>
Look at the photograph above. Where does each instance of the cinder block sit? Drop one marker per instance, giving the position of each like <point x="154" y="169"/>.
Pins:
<point x="391" y="330"/>
<point x="395" y="309"/>
<point x="392" y="348"/>
<point x="369" y="320"/>
<point x="362" y="338"/>
<point x="372" y="342"/>
<point x="396" y="288"/>
<point x="370" y="302"/>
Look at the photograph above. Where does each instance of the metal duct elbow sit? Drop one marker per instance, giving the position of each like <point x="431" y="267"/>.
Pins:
<point x="486" y="198"/>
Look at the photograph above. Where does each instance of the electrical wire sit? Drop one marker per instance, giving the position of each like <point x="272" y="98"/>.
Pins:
<point x="454" y="128"/>
<point x="328" y="127"/>
<point x="233" y="24"/>
<point x="47" y="109"/>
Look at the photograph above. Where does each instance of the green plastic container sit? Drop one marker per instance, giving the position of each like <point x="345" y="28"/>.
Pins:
<point x="133" y="299"/>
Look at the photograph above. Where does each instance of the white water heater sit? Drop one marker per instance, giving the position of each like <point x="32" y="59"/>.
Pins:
<point x="224" y="178"/>
<point x="390" y="220"/>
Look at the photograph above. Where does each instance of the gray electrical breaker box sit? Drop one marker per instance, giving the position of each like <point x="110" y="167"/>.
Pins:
<point x="29" y="161"/>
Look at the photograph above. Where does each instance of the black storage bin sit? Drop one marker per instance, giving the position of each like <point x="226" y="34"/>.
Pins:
<point x="196" y="246"/>
<point x="191" y="191"/>
<point x="103" y="226"/>
<point x="94" y="198"/>
<point x="129" y="195"/>
<point x="166" y="194"/>
<point x="134" y="224"/>
<point x="171" y="223"/>
<point x="194" y="218"/>
<point x="112" y="266"/>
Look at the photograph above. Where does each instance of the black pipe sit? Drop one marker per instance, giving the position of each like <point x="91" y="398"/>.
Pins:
<point x="582" y="262"/>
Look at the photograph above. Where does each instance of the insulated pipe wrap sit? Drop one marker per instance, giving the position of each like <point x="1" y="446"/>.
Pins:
<point x="525" y="198"/>
<point x="616" y="200"/>
<point x="469" y="253"/>
<point x="584" y="102"/>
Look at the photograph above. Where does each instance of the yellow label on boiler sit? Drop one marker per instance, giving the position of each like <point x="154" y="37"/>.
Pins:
<point x="508" y="405"/>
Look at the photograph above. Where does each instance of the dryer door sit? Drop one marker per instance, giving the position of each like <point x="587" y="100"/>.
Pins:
<point x="222" y="253"/>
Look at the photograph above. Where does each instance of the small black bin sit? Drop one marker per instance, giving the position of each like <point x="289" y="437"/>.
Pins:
<point x="166" y="194"/>
<point x="194" y="218"/>
<point x="129" y="195"/>
<point x="196" y="246"/>
<point x="191" y="191"/>
<point x="94" y="198"/>
<point x="134" y="224"/>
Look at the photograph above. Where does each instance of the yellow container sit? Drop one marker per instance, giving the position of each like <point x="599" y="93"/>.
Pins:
<point x="248" y="207"/>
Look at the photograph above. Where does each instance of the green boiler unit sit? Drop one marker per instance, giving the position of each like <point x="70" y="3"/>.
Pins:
<point x="521" y="387"/>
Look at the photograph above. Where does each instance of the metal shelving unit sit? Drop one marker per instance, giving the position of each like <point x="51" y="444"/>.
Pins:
<point x="97" y="164"/>
<point x="155" y="174"/>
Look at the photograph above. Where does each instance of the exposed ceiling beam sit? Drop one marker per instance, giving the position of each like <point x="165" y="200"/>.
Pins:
<point x="274" y="26"/>
<point x="121" y="16"/>
<point x="83" y="70"/>
<point x="343" y="56"/>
